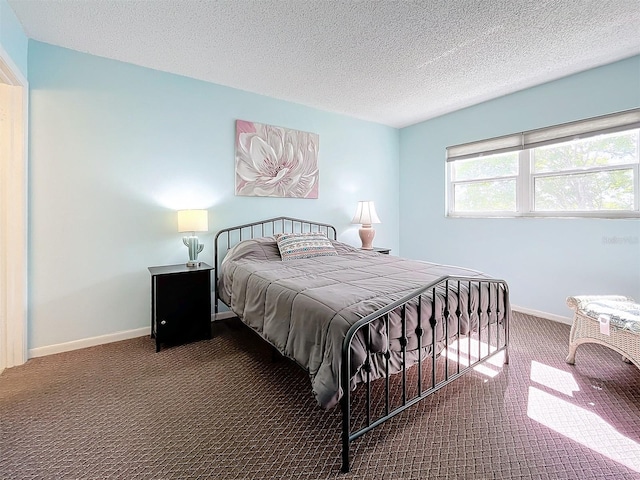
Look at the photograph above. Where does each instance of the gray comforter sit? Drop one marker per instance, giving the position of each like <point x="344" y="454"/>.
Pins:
<point x="305" y="307"/>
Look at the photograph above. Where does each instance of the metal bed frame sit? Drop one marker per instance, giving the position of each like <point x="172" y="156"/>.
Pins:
<point x="354" y="426"/>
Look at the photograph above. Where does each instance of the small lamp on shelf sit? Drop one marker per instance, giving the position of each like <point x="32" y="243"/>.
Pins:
<point x="366" y="216"/>
<point x="193" y="221"/>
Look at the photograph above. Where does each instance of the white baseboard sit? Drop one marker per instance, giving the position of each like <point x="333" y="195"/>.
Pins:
<point x="141" y="332"/>
<point x="109" y="338"/>
<point x="538" y="313"/>
<point x="88" y="342"/>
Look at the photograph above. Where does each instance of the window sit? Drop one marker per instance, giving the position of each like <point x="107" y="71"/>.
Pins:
<point x="587" y="168"/>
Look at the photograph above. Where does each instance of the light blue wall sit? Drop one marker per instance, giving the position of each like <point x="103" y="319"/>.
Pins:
<point x="115" y="149"/>
<point x="12" y="37"/>
<point x="544" y="260"/>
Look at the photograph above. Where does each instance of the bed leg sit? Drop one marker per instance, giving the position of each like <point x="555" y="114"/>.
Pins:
<point x="345" y="459"/>
<point x="345" y="403"/>
<point x="506" y="356"/>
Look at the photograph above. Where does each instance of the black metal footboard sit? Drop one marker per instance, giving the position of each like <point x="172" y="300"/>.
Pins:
<point x="411" y="384"/>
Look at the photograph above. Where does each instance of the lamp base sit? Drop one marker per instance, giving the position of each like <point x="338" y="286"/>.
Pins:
<point x="195" y="247"/>
<point x="366" y="237"/>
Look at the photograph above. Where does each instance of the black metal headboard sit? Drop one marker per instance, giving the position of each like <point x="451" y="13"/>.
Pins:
<point x="228" y="237"/>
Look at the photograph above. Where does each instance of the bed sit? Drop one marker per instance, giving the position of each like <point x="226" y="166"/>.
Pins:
<point x="369" y="329"/>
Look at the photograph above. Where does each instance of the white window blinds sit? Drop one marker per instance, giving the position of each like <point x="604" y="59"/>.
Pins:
<point x="614" y="122"/>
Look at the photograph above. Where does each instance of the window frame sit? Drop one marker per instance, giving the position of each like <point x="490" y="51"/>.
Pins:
<point x="525" y="194"/>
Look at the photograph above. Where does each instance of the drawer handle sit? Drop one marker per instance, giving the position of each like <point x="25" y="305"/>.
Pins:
<point x="163" y="322"/>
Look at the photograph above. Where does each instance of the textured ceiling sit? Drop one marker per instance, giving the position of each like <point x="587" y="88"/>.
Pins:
<point x="391" y="62"/>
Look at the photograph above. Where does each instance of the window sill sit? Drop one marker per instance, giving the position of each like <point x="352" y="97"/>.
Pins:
<point x="602" y="215"/>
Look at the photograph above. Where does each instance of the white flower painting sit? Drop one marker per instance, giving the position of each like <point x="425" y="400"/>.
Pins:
<point x="275" y="162"/>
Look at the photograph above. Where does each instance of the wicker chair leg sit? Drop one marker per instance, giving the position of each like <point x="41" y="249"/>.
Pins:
<point x="571" y="358"/>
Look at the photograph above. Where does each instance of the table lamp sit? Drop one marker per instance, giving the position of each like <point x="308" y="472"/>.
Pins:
<point x="366" y="215"/>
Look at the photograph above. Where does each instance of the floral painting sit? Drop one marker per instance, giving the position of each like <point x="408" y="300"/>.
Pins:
<point x="275" y="162"/>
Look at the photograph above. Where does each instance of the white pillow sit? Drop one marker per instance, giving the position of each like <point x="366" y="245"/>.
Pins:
<point x="294" y="246"/>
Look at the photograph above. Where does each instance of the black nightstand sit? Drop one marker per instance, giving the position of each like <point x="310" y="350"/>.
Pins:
<point x="382" y="250"/>
<point x="180" y="303"/>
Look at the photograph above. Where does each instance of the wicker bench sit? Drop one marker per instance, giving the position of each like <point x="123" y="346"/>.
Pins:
<point x="624" y="325"/>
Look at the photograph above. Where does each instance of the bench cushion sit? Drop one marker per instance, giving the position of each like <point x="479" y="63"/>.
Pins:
<point x="623" y="314"/>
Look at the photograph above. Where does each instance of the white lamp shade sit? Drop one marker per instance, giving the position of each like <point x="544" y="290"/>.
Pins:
<point x="366" y="213"/>
<point x="193" y="221"/>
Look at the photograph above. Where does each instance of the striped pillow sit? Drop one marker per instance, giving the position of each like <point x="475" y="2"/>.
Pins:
<point x="304" y="245"/>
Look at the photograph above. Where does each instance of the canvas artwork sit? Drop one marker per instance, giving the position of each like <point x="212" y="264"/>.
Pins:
<point x="275" y="161"/>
